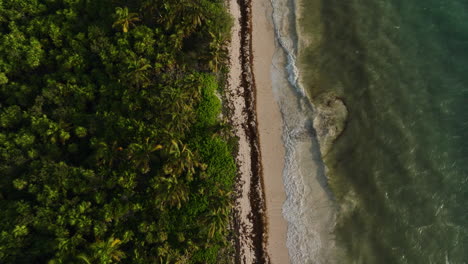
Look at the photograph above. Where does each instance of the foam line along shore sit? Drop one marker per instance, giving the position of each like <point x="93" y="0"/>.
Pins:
<point x="309" y="208"/>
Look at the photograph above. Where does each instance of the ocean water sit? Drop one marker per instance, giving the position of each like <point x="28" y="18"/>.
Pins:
<point x="393" y="186"/>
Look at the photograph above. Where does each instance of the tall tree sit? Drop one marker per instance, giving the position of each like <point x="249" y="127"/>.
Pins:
<point x="125" y="19"/>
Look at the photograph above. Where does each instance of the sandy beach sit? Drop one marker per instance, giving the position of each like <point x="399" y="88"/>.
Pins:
<point x="270" y="132"/>
<point x="255" y="116"/>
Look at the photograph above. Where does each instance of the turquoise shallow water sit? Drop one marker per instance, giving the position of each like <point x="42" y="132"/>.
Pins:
<point x="400" y="169"/>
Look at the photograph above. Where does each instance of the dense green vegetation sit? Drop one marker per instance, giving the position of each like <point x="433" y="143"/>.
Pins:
<point x="111" y="149"/>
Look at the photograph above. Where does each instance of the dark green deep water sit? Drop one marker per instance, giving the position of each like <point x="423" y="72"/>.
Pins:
<point x="400" y="170"/>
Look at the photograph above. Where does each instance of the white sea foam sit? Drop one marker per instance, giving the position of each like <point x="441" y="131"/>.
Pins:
<point x="280" y="16"/>
<point x="308" y="207"/>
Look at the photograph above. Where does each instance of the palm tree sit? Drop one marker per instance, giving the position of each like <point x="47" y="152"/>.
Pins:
<point x="106" y="251"/>
<point x="105" y="154"/>
<point x="125" y="19"/>
<point x="139" y="71"/>
<point x="183" y="162"/>
<point x="217" y="219"/>
<point x="150" y="7"/>
<point x="172" y="192"/>
<point x="189" y="14"/>
<point x="85" y="259"/>
<point x="140" y="154"/>
<point x="194" y="13"/>
<point x="216" y="222"/>
<point x="217" y="51"/>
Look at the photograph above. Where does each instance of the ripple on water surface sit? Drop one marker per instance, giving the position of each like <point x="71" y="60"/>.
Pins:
<point x="399" y="171"/>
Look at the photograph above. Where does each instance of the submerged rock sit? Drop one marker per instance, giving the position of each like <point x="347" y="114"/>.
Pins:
<point x="329" y="121"/>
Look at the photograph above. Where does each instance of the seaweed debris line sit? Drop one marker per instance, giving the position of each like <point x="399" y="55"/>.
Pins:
<point x="249" y="219"/>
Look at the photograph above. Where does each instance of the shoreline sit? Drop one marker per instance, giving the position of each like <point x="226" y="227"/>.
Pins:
<point x="309" y="208"/>
<point x="258" y="221"/>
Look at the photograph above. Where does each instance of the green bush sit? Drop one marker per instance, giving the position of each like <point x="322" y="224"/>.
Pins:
<point x="210" y="105"/>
